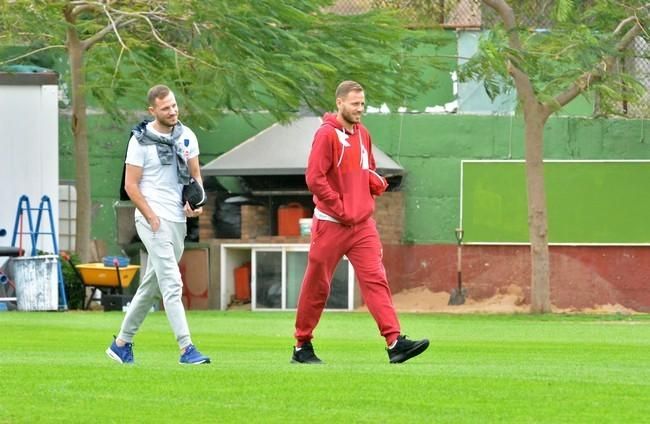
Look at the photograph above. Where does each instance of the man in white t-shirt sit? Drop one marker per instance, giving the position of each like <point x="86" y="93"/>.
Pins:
<point x="162" y="156"/>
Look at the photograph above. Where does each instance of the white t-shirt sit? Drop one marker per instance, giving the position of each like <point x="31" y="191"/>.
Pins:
<point x="159" y="184"/>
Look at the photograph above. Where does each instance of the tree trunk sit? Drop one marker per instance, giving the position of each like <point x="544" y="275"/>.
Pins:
<point x="537" y="215"/>
<point x="80" y="133"/>
<point x="535" y="116"/>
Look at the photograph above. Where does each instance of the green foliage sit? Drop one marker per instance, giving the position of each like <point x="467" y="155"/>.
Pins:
<point x="489" y="65"/>
<point x="563" y="10"/>
<point x="555" y="58"/>
<point x="74" y="288"/>
<point x="230" y="55"/>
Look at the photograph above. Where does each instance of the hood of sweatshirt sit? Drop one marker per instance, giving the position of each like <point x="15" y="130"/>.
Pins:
<point x="329" y="118"/>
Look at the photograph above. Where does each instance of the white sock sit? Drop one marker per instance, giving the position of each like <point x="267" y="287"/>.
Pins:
<point x="393" y="344"/>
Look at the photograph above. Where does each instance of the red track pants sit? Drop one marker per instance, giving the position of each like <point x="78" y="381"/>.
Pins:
<point x="361" y="244"/>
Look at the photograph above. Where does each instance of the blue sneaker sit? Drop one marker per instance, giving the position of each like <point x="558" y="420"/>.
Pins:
<point x="193" y="357"/>
<point x="123" y="355"/>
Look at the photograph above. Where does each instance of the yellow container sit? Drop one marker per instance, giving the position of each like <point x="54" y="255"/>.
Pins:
<point x="99" y="275"/>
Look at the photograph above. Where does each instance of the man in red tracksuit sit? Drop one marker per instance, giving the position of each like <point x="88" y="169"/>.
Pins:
<point x="341" y="175"/>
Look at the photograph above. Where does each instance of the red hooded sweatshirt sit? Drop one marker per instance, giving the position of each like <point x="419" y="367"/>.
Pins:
<point x="341" y="172"/>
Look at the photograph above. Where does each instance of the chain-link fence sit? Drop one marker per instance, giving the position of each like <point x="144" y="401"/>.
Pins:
<point x="473" y="15"/>
<point x="638" y="64"/>
<point x="450" y="13"/>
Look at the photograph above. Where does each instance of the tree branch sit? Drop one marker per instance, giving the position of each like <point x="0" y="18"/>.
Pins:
<point x="98" y="36"/>
<point x="606" y="65"/>
<point x="116" y="24"/>
<point x="117" y="66"/>
<point x="524" y="86"/>
<point x="76" y="10"/>
<point x="157" y="36"/>
<point x="22" y="56"/>
<point x="508" y="17"/>
<point x="624" y="22"/>
<point x="629" y="36"/>
<point x="575" y="89"/>
<point x="77" y="6"/>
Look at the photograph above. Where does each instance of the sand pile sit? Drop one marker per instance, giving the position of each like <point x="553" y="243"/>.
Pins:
<point x="511" y="300"/>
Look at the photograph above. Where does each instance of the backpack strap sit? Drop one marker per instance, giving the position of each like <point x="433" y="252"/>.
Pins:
<point x="138" y="128"/>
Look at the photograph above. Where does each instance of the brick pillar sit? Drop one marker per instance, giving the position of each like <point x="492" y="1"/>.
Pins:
<point x="389" y="214"/>
<point x="206" y="229"/>
<point x="254" y="221"/>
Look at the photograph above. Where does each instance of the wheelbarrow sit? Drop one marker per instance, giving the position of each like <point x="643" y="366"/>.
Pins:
<point x="108" y="280"/>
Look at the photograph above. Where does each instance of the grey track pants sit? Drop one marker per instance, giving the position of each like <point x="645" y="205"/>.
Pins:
<point x="162" y="279"/>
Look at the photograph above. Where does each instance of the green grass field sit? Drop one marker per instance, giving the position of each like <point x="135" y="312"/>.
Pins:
<point x="479" y="368"/>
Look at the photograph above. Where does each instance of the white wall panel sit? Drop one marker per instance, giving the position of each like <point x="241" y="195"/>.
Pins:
<point x="29" y="156"/>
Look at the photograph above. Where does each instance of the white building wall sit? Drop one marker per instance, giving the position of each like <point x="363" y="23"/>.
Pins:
<point x="29" y="157"/>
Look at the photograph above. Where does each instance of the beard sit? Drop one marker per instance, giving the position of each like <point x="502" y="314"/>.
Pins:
<point x="168" y="122"/>
<point x="350" y="118"/>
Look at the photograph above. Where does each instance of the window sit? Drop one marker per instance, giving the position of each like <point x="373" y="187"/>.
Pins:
<point x="277" y="271"/>
<point x="67" y="216"/>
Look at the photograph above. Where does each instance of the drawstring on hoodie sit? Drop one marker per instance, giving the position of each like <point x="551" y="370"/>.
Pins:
<point x="362" y="148"/>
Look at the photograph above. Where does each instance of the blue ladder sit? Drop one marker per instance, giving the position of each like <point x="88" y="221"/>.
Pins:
<point x="34" y="232"/>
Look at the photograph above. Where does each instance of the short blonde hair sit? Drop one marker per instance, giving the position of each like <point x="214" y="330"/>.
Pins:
<point x="157" y="92"/>
<point x="346" y="87"/>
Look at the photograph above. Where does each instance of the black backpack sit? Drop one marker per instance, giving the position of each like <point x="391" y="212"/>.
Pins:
<point x="140" y="127"/>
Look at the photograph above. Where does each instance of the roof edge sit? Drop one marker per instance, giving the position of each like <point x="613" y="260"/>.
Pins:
<point x="29" y="78"/>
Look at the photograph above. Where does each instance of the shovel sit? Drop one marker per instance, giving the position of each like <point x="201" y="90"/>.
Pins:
<point x="458" y="293"/>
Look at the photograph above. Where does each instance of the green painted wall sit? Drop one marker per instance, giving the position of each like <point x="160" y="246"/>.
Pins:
<point x="430" y="147"/>
<point x="443" y="91"/>
<point x="589" y="202"/>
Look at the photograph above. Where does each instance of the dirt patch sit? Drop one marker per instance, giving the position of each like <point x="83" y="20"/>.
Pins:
<point x="600" y="309"/>
<point x="509" y="300"/>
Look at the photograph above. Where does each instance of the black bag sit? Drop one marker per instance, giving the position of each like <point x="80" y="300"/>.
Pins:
<point x="140" y="127"/>
<point x="194" y="194"/>
<point x="123" y="194"/>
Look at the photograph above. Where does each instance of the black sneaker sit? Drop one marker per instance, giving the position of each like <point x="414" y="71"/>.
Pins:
<point x="406" y="349"/>
<point x="305" y="355"/>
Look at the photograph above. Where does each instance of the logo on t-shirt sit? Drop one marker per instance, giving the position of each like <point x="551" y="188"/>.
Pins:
<point x="186" y="150"/>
